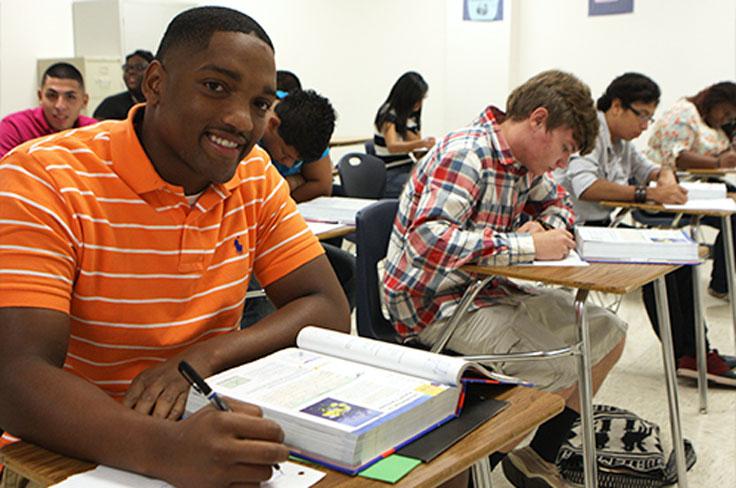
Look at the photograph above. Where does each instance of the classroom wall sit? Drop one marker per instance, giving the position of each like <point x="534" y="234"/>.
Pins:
<point x="29" y="30"/>
<point x="683" y="45"/>
<point x="353" y="50"/>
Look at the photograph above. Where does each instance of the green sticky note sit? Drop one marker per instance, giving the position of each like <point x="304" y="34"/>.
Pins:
<point x="391" y="469"/>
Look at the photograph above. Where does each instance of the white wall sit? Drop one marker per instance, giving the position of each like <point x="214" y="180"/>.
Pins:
<point x="683" y="45"/>
<point x="353" y="50"/>
<point x="30" y="29"/>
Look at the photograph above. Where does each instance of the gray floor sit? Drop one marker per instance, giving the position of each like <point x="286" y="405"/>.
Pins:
<point x="636" y="384"/>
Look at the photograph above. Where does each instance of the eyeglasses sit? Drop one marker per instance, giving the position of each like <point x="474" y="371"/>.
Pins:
<point x="139" y="68"/>
<point x="642" y="116"/>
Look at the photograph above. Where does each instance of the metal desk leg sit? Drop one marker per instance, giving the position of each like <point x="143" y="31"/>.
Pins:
<point x="585" y="385"/>
<point x="668" y="356"/>
<point x="727" y="229"/>
<point x="700" y="350"/>
<point x="470" y="293"/>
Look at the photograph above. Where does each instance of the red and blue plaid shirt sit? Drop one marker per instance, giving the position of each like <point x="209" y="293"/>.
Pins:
<point x="460" y="207"/>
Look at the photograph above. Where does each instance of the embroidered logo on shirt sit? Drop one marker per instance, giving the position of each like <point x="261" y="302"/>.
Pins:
<point x="238" y="245"/>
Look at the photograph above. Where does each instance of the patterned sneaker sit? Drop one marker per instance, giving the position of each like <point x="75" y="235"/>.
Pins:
<point x="719" y="371"/>
<point x="524" y="468"/>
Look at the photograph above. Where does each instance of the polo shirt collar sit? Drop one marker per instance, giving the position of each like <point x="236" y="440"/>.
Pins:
<point x="134" y="167"/>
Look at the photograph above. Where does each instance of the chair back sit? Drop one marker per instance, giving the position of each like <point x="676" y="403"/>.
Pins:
<point x="362" y="175"/>
<point x="370" y="147"/>
<point x="374" y="224"/>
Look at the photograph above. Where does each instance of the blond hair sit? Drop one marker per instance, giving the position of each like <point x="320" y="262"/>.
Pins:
<point x="567" y="100"/>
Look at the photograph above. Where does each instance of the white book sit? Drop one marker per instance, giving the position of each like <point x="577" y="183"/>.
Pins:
<point x="346" y="401"/>
<point x="700" y="190"/>
<point x="717" y="204"/>
<point x="333" y="210"/>
<point x="619" y="245"/>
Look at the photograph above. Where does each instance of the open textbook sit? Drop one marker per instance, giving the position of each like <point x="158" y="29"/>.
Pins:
<point x="619" y="245"/>
<point x="346" y="401"/>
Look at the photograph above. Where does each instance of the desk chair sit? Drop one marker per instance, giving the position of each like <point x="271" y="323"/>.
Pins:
<point x="374" y="224"/>
<point x="370" y="147"/>
<point x="362" y="175"/>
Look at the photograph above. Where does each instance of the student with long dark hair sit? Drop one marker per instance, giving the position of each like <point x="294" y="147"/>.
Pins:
<point x="691" y="134"/>
<point x="398" y="130"/>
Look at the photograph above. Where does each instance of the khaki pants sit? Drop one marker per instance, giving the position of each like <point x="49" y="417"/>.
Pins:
<point x="537" y="322"/>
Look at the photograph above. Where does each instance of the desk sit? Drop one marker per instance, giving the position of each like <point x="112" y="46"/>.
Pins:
<point x="349" y="141"/>
<point x="528" y="408"/>
<point x="727" y="230"/>
<point x="609" y="278"/>
<point x="706" y="172"/>
<point x="328" y="231"/>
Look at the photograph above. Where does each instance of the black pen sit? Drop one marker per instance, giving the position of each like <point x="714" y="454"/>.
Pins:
<point x="200" y="385"/>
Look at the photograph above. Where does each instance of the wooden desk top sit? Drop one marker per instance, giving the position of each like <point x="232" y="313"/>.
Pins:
<point x="349" y="141"/>
<point x="341" y="232"/>
<point x="616" y="278"/>
<point x="528" y="408"/>
<point x="710" y="171"/>
<point x="656" y="208"/>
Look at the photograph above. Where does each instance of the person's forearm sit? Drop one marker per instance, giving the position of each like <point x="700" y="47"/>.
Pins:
<point x="311" y="189"/>
<point x="689" y="159"/>
<point x="400" y="147"/>
<point x="607" y="190"/>
<point x="48" y="406"/>
<point x="276" y="331"/>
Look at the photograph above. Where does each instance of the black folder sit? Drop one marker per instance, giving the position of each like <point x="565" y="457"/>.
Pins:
<point x="480" y="405"/>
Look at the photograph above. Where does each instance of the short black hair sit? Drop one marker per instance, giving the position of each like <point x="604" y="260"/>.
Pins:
<point x="630" y="88"/>
<point x="307" y="122"/>
<point x="288" y="82"/>
<point x="194" y="28"/>
<point x="64" y="71"/>
<point x="141" y="53"/>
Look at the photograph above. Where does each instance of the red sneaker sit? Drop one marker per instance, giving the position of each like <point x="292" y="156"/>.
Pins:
<point x="718" y="370"/>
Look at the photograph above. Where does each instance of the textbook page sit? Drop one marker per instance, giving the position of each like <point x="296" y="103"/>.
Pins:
<point x="701" y="190"/>
<point x="339" y="395"/>
<point x="335" y="210"/>
<point x="572" y="259"/>
<point x="416" y="362"/>
<point x="291" y="475"/>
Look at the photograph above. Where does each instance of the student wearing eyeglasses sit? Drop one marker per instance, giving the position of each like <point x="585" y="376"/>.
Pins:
<point x="624" y="112"/>
<point x="117" y="106"/>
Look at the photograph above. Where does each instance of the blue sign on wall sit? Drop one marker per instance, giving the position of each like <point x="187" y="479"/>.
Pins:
<point x="483" y="10"/>
<point x="609" y="7"/>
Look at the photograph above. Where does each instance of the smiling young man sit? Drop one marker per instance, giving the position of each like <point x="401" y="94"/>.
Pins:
<point x="61" y="98"/>
<point x="465" y="204"/>
<point x="127" y="246"/>
<point x="117" y="106"/>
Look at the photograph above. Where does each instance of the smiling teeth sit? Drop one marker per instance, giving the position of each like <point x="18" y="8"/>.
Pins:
<point x="223" y="142"/>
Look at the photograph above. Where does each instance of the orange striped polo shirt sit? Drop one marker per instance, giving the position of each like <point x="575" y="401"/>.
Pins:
<point x="88" y="227"/>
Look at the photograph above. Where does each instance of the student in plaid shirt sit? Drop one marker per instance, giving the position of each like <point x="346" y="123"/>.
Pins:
<point x="484" y="195"/>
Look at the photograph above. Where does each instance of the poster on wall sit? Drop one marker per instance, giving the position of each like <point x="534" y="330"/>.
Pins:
<point x="610" y="7"/>
<point x="483" y="10"/>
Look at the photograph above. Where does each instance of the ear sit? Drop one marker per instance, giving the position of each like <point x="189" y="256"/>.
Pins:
<point x="273" y="123"/>
<point x="85" y="100"/>
<point x="153" y="82"/>
<point x="616" y="106"/>
<point x="538" y="118"/>
<point x="40" y="94"/>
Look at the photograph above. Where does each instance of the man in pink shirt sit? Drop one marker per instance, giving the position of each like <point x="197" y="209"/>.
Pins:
<point x="62" y="97"/>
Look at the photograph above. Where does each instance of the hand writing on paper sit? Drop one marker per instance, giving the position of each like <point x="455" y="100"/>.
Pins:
<point x="667" y="194"/>
<point x="214" y="448"/>
<point x="552" y="244"/>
